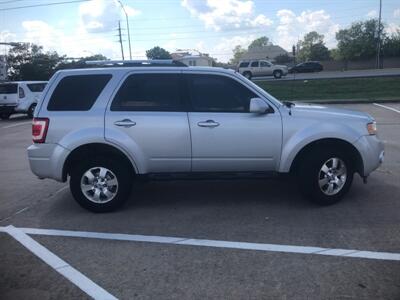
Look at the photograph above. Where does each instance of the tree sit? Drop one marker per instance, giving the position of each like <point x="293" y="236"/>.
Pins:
<point x="238" y="52"/>
<point x="79" y="63"/>
<point x="312" y="47"/>
<point x="359" y="40"/>
<point x="260" y="42"/>
<point x="29" y="62"/>
<point x="158" y="53"/>
<point x="391" y="45"/>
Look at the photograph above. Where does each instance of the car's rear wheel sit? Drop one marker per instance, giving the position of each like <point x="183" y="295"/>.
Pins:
<point x="248" y="75"/>
<point x="31" y="110"/>
<point x="277" y="74"/>
<point x="100" y="184"/>
<point x="325" y="175"/>
<point x="5" y="116"/>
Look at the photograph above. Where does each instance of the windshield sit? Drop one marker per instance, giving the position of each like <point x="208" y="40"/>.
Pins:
<point x="8" y="88"/>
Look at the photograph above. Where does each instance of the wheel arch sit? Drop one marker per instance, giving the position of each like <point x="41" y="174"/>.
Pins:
<point x="87" y="150"/>
<point x="358" y="163"/>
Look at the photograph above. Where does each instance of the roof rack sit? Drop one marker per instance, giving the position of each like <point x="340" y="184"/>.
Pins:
<point x="137" y="63"/>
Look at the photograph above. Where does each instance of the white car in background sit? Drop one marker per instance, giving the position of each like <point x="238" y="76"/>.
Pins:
<point x="20" y="97"/>
<point x="254" y="68"/>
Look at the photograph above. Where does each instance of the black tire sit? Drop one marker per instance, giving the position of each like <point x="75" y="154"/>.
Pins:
<point x="5" y="116"/>
<point x="122" y="172"/>
<point x="277" y="74"/>
<point x="31" y="110"/>
<point x="248" y="75"/>
<point x="309" y="175"/>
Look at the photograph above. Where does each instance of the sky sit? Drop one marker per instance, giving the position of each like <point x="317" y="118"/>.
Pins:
<point x="211" y="26"/>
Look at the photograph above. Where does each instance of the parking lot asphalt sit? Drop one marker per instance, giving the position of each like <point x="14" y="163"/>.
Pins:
<point x="253" y="211"/>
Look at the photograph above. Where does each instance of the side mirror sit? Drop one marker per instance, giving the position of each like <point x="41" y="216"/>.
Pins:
<point x="259" y="106"/>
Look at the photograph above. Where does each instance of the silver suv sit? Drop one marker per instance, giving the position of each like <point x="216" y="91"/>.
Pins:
<point x="105" y="127"/>
<point x="254" y="68"/>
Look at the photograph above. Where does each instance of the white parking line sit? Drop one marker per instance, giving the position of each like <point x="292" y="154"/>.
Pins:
<point x="387" y="107"/>
<point x="62" y="267"/>
<point x="16" y="124"/>
<point x="217" y="244"/>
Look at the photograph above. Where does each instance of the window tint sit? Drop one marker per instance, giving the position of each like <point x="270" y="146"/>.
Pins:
<point x="244" y="65"/>
<point x="254" y="64"/>
<point x="8" y="88"/>
<point x="265" y="64"/>
<point x="78" y="92"/>
<point x="213" y="93"/>
<point x="149" y="92"/>
<point x="36" y="87"/>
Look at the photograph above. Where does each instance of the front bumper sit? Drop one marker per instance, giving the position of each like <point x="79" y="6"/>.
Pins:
<point x="372" y="152"/>
<point x="47" y="160"/>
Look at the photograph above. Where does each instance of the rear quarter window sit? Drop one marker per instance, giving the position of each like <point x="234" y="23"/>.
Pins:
<point x="36" y="87"/>
<point x="77" y="92"/>
<point x="244" y="65"/>
<point x="8" y="88"/>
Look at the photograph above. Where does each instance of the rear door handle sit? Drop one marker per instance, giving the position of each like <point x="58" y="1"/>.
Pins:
<point x="125" y="123"/>
<point x="208" y="123"/>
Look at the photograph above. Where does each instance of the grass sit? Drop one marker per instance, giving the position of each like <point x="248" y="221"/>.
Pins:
<point x="372" y="88"/>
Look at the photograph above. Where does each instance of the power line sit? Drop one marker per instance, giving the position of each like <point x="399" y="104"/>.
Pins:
<point x="44" y="4"/>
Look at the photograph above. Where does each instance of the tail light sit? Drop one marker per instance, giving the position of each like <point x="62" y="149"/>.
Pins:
<point x="21" y="92"/>
<point x="39" y="129"/>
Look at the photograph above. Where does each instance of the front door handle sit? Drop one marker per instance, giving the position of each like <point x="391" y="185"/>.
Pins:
<point x="125" y="123"/>
<point x="208" y="123"/>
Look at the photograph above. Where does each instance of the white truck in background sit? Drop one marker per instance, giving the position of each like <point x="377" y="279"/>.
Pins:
<point x="20" y="97"/>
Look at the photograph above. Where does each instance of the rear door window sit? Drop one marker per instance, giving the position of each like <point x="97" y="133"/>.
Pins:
<point x="36" y="87"/>
<point x="149" y="92"/>
<point x="254" y="64"/>
<point x="8" y="88"/>
<point x="77" y="92"/>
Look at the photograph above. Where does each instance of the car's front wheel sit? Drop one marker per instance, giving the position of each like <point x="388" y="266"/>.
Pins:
<point x="277" y="74"/>
<point x="100" y="184"/>
<point x="248" y="75"/>
<point x="325" y="175"/>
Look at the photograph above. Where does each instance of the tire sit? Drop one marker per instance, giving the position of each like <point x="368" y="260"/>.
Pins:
<point x="31" y="110"/>
<point x="318" y="183"/>
<point x="248" y="75"/>
<point x="119" y="188"/>
<point x="277" y="74"/>
<point x="5" y="116"/>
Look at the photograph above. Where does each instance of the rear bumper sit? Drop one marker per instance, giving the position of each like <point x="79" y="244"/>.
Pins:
<point x="47" y="160"/>
<point x="7" y="108"/>
<point x="372" y="152"/>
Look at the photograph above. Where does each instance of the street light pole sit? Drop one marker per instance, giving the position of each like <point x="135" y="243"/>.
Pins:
<point x="378" y="52"/>
<point x="127" y="26"/>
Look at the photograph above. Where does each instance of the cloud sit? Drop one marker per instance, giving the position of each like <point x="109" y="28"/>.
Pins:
<point x="7" y="36"/>
<point x="76" y="44"/>
<point x="396" y="13"/>
<point x="223" y="49"/>
<point x="103" y="15"/>
<point x="224" y="14"/>
<point x="392" y="29"/>
<point x="372" y="14"/>
<point x="292" y="27"/>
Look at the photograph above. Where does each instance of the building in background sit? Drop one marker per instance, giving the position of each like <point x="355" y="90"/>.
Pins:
<point x="3" y="68"/>
<point x="193" y="58"/>
<point x="269" y="52"/>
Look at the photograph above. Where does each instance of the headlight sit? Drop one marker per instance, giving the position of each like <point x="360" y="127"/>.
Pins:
<point x="371" y="127"/>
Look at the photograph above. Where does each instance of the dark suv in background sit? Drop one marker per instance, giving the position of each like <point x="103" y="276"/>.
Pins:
<point x="310" y="66"/>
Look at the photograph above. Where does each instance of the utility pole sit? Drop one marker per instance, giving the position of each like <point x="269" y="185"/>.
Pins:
<point x="378" y="51"/>
<point x="127" y="27"/>
<point x="120" y="40"/>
